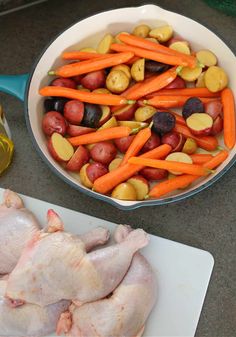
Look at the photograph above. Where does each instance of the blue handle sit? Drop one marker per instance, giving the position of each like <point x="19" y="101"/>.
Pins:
<point x="14" y="85"/>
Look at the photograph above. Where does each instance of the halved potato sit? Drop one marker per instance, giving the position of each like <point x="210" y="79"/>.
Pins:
<point x="179" y="157"/>
<point x="216" y="79"/>
<point x="102" y="91"/>
<point x="88" y="50"/>
<point x="133" y="124"/>
<point x="111" y="123"/>
<point x="206" y="57"/>
<point x="141" y="30"/>
<point x="201" y="81"/>
<point x="124" y="191"/>
<point x="162" y="33"/>
<point x="114" y="164"/>
<point x="152" y="39"/>
<point x="124" y="68"/>
<point x="144" y="113"/>
<point x="181" y="46"/>
<point x="138" y="70"/>
<point x="105" y="44"/>
<point x="190" y="74"/>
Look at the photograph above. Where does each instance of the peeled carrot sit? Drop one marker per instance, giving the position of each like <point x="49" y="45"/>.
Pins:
<point x="87" y="66"/>
<point x="175" y="183"/>
<point x="151" y="55"/>
<point x="108" y="181"/>
<point x="132" y="60"/>
<point x="139" y="140"/>
<point x="193" y="92"/>
<point x="201" y="158"/>
<point x="146" y="44"/>
<point x="84" y="96"/>
<point x="83" y="55"/>
<point x="170" y="166"/>
<point x="100" y="135"/>
<point x="208" y="143"/>
<point x="165" y="101"/>
<point x="229" y="117"/>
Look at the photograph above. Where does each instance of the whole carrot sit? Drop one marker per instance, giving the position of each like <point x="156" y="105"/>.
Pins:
<point x="193" y="92"/>
<point x="151" y="55"/>
<point x="229" y="117"/>
<point x="208" y="143"/>
<point x="170" y="185"/>
<point x="139" y="140"/>
<point x="170" y="165"/>
<point x="201" y="158"/>
<point x="100" y="135"/>
<point x="83" y="55"/>
<point x="140" y="42"/>
<point x="171" y="101"/>
<point x="110" y="180"/>
<point x="87" y="66"/>
<point x="84" y="96"/>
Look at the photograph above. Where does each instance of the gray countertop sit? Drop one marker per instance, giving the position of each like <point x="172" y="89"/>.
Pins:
<point x="206" y="221"/>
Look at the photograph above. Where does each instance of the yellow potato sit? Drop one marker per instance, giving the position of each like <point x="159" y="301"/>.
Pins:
<point x="141" y="30"/>
<point x="117" y="40"/>
<point x="201" y="81"/>
<point x="152" y="39"/>
<point x="162" y="33"/>
<point x="138" y="69"/>
<point x="133" y="124"/>
<point x="81" y="88"/>
<point x="206" y="57"/>
<point x="181" y="46"/>
<point x="124" y="191"/>
<point x="88" y="50"/>
<point x="190" y="74"/>
<point x="112" y="122"/>
<point x="114" y="164"/>
<point x="124" y="68"/>
<point x="179" y="157"/>
<point x="117" y="81"/>
<point x="215" y="79"/>
<point x="144" y="113"/>
<point x="141" y="186"/>
<point x="84" y="178"/>
<point x="105" y="44"/>
<point x="101" y="91"/>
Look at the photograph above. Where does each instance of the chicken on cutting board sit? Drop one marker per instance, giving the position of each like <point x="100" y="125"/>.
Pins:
<point x="55" y="266"/>
<point x="28" y="319"/>
<point x="17" y="226"/>
<point x="124" y="313"/>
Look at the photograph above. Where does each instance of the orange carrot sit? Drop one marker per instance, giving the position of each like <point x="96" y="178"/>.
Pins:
<point x="84" y="96"/>
<point x="87" y="66"/>
<point x="208" y="143"/>
<point x="132" y="60"/>
<point x="139" y="140"/>
<point x="193" y="92"/>
<point x="170" y="185"/>
<point x="164" y="101"/>
<point x="146" y="44"/>
<point x="151" y="55"/>
<point x="201" y="158"/>
<point x="83" y="55"/>
<point x="170" y="165"/>
<point x="229" y="117"/>
<point x="108" y="181"/>
<point x="100" y="135"/>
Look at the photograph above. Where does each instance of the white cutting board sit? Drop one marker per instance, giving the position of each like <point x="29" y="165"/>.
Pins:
<point x="183" y="273"/>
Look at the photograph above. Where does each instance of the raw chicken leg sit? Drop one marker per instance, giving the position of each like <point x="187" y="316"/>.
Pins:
<point x="55" y="266"/>
<point x="124" y="313"/>
<point x="17" y="226"/>
<point x="28" y="319"/>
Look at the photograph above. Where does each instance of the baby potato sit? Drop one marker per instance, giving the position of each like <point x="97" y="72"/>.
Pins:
<point x="117" y="81"/>
<point x="101" y="91"/>
<point x="181" y="46"/>
<point x="124" y="191"/>
<point x="138" y="69"/>
<point x="206" y="57"/>
<point x="88" y="50"/>
<point x="152" y="39"/>
<point x="216" y="79"/>
<point x="141" y="30"/>
<point x="105" y="44"/>
<point x="200" y="83"/>
<point x="124" y="68"/>
<point x="190" y="74"/>
<point x="83" y="176"/>
<point x="111" y="123"/>
<point x="117" y="40"/>
<point x="144" y="113"/>
<point x="162" y="33"/>
<point x="114" y="164"/>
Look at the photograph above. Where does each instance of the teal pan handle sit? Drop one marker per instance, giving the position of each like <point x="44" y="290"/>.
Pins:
<point x="14" y="85"/>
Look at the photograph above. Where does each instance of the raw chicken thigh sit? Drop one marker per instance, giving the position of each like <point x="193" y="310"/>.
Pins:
<point x="17" y="226"/>
<point x="124" y="313"/>
<point x="55" y="266"/>
<point x="28" y="319"/>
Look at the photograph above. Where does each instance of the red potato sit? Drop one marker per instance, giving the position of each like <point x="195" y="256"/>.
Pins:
<point x="125" y="113"/>
<point x="123" y="143"/>
<point x="78" y="130"/>
<point x="178" y="83"/>
<point x="52" y="122"/>
<point x="94" y="80"/>
<point x="151" y="173"/>
<point x="79" y="158"/>
<point x="77" y="79"/>
<point x="103" y="152"/>
<point x="74" y="111"/>
<point x="96" y="170"/>
<point x="217" y="126"/>
<point x="213" y="108"/>
<point x="174" y="139"/>
<point x="152" y="142"/>
<point x="59" y="147"/>
<point x="64" y="82"/>
<point x="141" y="186"/>
<point x="200" y="124"/>
<point x="106" y="114"/>
<point x="84" y="177"/>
